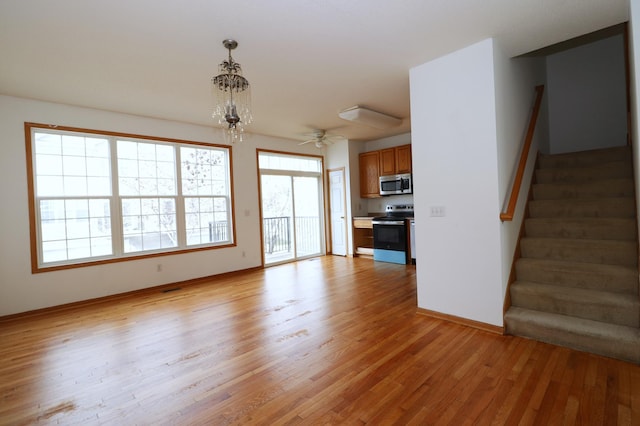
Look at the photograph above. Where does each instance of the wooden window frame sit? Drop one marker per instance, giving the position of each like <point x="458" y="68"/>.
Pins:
<point x="116" y="228"/>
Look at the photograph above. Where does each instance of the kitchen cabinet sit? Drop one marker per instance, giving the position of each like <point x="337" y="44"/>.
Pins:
<point x="403" y="159"/>
<point x="395" y="161"/>
<point x="387" y="162"/>
<point x="363" y="236"/>
<point x="370" y="174"/>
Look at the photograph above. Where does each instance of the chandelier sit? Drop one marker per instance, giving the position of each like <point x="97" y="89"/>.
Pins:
<point x="233" y="106"/>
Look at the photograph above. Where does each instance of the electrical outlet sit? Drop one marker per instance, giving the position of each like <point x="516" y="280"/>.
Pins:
<point x="437" y="211"/>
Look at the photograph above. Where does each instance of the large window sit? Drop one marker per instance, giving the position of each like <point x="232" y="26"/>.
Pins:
<point x="99" y="197"/>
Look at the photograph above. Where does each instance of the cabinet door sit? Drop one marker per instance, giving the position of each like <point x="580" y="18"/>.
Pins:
<point x="388" y="162"/>
<point x="369" y="174"/>
<point x="403" y="159"/>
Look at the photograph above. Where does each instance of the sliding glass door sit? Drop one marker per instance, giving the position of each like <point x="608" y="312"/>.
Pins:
<point x="291" y="197"/>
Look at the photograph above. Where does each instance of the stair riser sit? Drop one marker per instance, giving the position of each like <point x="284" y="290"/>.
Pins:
<point x="610" y="347"/>
<point x="577" y="278"/>
<point x="613" y="207"/>
<point x="628" y="315"/>
<point x="617" y="253"/>
<point x="583" y="175"/>
<point x="602" y="189"/>
<point x="621" y="282"/>
<point x="604" y="230"/>
<point x="584" y="159"/>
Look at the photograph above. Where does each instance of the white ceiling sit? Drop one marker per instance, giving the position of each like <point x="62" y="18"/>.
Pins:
<point x="305" y="59"/>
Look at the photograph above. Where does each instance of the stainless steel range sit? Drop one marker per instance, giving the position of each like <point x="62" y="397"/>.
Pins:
<point x="390" y="234"/>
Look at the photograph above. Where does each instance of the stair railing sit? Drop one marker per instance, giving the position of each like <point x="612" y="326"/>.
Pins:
<point x="517" y="183"/>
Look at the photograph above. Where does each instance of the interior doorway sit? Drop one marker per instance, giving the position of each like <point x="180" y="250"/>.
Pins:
<point x="291" y="195"/>
<point x="338" y="216"/>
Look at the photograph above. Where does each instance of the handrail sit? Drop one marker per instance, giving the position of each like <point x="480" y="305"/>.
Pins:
<point x="515" y="191"/>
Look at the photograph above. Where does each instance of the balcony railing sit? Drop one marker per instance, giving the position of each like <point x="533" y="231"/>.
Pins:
<point x="278" y="235"/>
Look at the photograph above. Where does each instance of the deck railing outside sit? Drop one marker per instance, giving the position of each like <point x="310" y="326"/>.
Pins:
<point x="278" y="235"/>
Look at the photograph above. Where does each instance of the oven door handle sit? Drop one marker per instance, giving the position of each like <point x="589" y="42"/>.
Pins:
<point x="388" y="222"/>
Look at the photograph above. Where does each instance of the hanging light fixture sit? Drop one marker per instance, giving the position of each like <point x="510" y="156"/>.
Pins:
<point x="233" y="106"/>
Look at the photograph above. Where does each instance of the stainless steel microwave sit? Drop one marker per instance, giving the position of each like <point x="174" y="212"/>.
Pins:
<point x="396" y="184"/>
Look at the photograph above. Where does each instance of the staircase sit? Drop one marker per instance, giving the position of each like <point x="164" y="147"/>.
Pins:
<point x="577" y="279"/>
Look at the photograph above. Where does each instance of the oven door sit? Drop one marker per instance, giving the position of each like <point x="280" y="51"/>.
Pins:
<point x="390" y="234"/>
<point x="390" y="240"/>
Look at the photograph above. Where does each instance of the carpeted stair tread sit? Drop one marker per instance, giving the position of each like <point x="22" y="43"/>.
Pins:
<point x="615" y="341"/>
<point x="576" y="280"/>
<point x="583" y="228"/>
<point x="610" y="252"/>
<point x="584" y="158"/>
<point x="607" y="188"/>
<point x="595" y="276"/>
<point x="611" y="170"/>
<point x="614" y="308"/>
<point x="609" y="207"/>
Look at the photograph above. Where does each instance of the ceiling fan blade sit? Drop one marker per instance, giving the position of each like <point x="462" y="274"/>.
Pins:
<point x="307" y="141"/>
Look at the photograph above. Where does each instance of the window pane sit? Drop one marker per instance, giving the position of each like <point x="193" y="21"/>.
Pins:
<point x="54" y="251"/>
<point x="204" y="171"/>
<point x="79" y="248"/>
<point x="166" y="170"/>
<point x="48" y="144"/>
<point x="97" y="147"/>
<point x="53" y="230"/>
<point x="75" y="185"/>
<point x="140" y="172"/>
<point x="77" y="228"/>
<point x="74" y="166"/>
<point x="62" y="165"/>
<point x="73" y="145"/>
<point x="49" y="186"/>
<point x="69" y="227"/>
<point x="101" y="246"/>
<point x="98" y="167"/>
<point x="149" y="224"/>
<point x="165" y="153"/>
<point x="127" y="150"/>
<point x="203" y="224"/>
<point x="49" y="164"/>
<point x="274" y="161"/>
<point x="99" y="186"/>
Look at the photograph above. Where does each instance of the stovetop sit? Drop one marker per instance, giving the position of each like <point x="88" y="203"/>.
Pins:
<point x="398" y="210"/>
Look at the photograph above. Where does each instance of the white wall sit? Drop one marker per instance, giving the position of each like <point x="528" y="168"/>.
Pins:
<point x="455" y="165"/>
<point x="587" y="96"/>
<point x="20" y="290"/>
<point x="515" y="80"/>
<point x="470" y="110"/>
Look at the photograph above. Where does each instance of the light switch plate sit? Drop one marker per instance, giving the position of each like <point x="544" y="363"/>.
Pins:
<point x="437" y="211"/>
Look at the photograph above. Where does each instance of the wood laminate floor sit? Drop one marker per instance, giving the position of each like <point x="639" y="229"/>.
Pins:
<point x="324" y="341"/>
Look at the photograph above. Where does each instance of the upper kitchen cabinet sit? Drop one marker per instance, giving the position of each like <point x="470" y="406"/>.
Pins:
<point x="388" y="162"/>
<point x="370" y="174"/>
<point x="396" y="160"/>
<point x="403" y="159"/>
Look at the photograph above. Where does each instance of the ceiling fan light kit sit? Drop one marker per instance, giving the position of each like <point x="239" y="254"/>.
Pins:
<point x="369" y="117"/>
<point x="320" y="138"/>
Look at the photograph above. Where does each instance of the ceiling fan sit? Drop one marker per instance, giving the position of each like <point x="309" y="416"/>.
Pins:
<point x="320" y="138"/>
